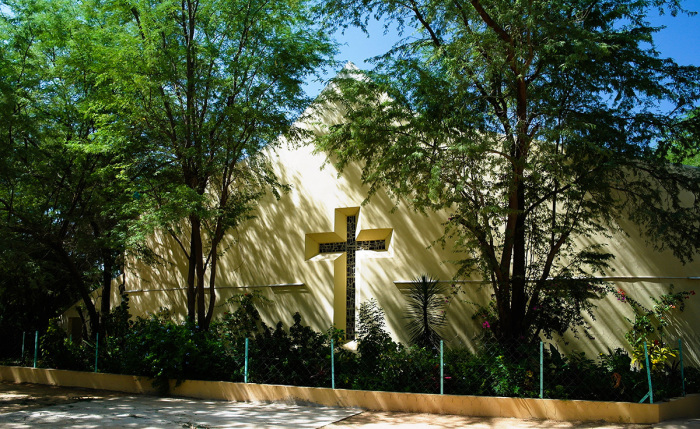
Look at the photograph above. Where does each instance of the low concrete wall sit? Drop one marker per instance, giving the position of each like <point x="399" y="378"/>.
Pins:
<point x="526" y="408"/>
<point x="89" y="380"/>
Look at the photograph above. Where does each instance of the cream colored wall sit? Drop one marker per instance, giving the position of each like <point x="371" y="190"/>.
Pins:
<point x="274" y="253"/>
<point x="642" y="273"/>
<point x="275" y="249"/>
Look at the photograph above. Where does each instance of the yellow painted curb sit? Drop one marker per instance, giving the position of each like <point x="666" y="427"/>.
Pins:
<point x="88" y="380"/>
<point x="482" y="406"/>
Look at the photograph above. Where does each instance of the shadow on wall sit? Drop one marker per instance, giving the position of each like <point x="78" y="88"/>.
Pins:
<point x="269" y="250"/>
<point x="268" y="253"/>
<point x="642" y="273"/>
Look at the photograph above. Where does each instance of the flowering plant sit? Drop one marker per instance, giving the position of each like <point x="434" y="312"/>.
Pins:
<point x="649" y="326"/>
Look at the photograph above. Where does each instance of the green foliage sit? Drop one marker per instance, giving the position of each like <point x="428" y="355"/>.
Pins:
<point x="684" y="148"/>
<point x="373" y="341"/>
<point x="202" y="89"/>
<point x="156" y="347"/>
<point x="118" y="322"/>
<point x="115" y="123"/>
<point x="425" y="312"/>
<point x="537" y="125"/>
<point x="382" y="364"/>
<point x="159" y="348"/>
<point x="31" y="290"/>
<point x="298" y="356"/>
<point x="649" y="327"/>
<point x="493" y="371"/>
<point x="371" y="332"/>
<point x="58" y="351"/>
<point x="245" y="320"/>
<point x="62" y="199"/>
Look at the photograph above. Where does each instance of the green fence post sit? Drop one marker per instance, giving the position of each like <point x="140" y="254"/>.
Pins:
<point x="649" y="394"/>
<point x="36" y="346"/>
<point x="680" y="353"/>
<point x="97" y="347"/>
<point x="245" y="365"/>
<point x="541" y="370"/>
<point x="22" y="359"/>
<point x="442" y="368"/>
<point x="332" y="365"/>
<point x="651" y="390"/>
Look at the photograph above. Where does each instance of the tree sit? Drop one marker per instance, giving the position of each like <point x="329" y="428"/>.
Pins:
<point x="60" y="199"/>
<point x="63" y="205"/>
<point x="536" y="124"/>
<point x="203" y="88"/>
<point x="32" y="289"/>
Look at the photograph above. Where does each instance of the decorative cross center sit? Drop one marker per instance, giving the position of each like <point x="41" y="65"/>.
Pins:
<point x="329" y="243"/>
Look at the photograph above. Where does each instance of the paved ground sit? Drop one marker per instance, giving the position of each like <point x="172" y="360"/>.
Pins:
<point x="37" y="406"/>
<point x="376" y="420"/>
<point x="15" y="397"/>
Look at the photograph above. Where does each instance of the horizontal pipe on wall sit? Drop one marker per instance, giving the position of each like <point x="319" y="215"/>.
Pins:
<point x="219" y="287"/>
<point x="605" y="278"/>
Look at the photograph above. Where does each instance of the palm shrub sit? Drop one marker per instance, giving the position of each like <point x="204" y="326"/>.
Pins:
<point x="425" y="312"/>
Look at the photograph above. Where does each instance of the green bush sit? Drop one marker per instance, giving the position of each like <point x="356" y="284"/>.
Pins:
<point x="298" y="356"/>
<point x="160" y="348"/>
<point x="491" y="372"/>
<point x="58" y="351"/>
<point x="382" y="364"/>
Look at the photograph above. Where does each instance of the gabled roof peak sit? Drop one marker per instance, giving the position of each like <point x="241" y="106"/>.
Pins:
<point x="350" y="66"/>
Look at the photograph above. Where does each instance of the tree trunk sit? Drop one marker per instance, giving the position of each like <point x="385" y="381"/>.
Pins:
<point x="79" y="284"/>
<point x="518" y="303"/>
<point x="212" y="287"/>
<point x="197" y="257"/>
<point x="191" y="292"/>
<point x="93" y="315"/>
<point x="108" y="261"/>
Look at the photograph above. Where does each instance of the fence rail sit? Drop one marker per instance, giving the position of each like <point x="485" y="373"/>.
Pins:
<point x="540" y="371"/>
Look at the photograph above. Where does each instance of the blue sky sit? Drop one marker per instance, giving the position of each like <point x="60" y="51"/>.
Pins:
<point x="680" y="40"/>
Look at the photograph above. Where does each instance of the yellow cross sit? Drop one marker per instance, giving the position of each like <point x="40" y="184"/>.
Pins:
<point x="346" y="241"/>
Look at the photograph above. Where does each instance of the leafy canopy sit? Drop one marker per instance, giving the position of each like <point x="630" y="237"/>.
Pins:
<point x="62" y="205"/>
<point x="202" y="88"/>
<point x="537" y="125"/>
<point x="159" y="108"/>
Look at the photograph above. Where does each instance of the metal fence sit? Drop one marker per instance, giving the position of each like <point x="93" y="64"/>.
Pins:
<point x="539" y="371"/>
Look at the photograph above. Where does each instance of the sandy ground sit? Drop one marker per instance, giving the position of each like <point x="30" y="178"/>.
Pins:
<point x="30" y="406"/>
